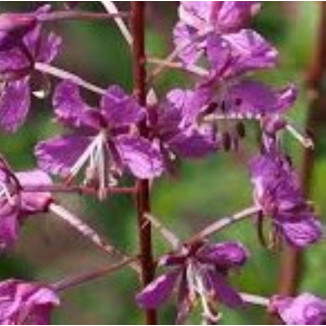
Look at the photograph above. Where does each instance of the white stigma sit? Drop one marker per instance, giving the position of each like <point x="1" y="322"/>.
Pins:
<point x="94" y="159"/>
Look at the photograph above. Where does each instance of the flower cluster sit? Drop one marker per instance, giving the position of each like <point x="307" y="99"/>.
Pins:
<point x="121" y="137"/>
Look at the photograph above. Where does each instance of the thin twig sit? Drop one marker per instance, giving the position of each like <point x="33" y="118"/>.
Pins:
<point x="173" y="240"/>
<point x="61" y="188"/>
<point x="173" y="55"/>
<point x="65" y="75"/>
<point x="112" y="9"/>
<point x="87" y="231"/>
<point x="225" y="222"/>
<point x="198" y="71"/>
<point x="255" y="299"/>
<point x="92" y="275"/>
<point x="79" y="15"/>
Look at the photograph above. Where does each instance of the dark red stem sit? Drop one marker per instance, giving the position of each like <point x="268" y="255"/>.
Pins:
<point x="143" y="186"/>
<point x="291" y="268"/>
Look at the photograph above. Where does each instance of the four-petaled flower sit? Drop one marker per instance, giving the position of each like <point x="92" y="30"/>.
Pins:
<point x="306" y="309"/>
<point x="16" y="204"/>
<point x="200" y="20"/>
<point x="23" y="303"/>
<point x="200" y="270"/>
<point x="277" y="191"/>
<point x="174" y="133"/>
<point x="104" y="140"/>
<point x="17" y="68"/>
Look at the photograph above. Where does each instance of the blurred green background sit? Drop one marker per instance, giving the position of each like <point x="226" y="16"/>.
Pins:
<point x="202" y="192"/>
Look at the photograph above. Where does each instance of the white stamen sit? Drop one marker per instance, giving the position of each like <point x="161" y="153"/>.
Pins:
<point x="96" y="155"/>
<point x="201" y="290"/>
<point x="304" y="140"/>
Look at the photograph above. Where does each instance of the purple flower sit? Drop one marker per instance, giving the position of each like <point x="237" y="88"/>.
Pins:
<point x="23" y="303"/>
<point x="277" y="191"/>
<point x="105" y="140"/>
<point x="16" y="204"/>
<point x="199" y="20"/>
<point x="174" y="134"/>
<point x="214" y="102"/>
<point x="306" y="309"/>
<point x="199" y="271"/>
<point x="238" y="53"/>
<point x="17" y="68"/>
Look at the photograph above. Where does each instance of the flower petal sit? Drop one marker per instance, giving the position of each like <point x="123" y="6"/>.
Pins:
<point x="223" y="292"/>
<point x="68" y="104"/>
<point x="8" y="225"/>
<point x="120" y="108"/>
<point x="195" y="13"/>
<point x="253" y="97"/>
<point x="183" y="36"/>
<point x="233" y="15"/>
<point x="158" y="291"/>
<point x="249" y="51"/>
<point x="23" y="303"/>
<point x="34" y="202"/>
<point x="14" y="104"/>
<point x="301" y="233"/>
<point x="192" y="144"/>
<point x="48" y="48"/>
<point x="306" y="309"/>
<point x="140" y="156"/>
<point x="225" y="255"/>
<point x="58" y="155"/>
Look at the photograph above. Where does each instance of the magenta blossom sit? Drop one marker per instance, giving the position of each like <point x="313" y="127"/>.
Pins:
<point x="105" y="140"/>
<point x="199" y="271"/>
<point x="23" y="303"/>
<point x="202" y="19"/>
<point x="277" y="191"/>
<point x="17" y="69"/>
<point x="16" y="204"/>
<point x="174" y="134"/>
<point x="306" y="309"/>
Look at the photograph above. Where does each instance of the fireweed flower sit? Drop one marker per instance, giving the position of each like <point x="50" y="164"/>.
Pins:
<point x="105" y="141"/>
<point x="172" y="132"/>
<point x="277" y="191"/>
<point x="17" y="70"/>
<point x="16" y="205"/>
<point x="306" y="309"/>
<point x="201" y="19"/>
<point x="199" y="271"/>
<point x="23" y="303"/>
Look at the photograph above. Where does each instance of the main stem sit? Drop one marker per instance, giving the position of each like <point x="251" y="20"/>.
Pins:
<point x="291" y="266"/>
<point x="143" y="186"/>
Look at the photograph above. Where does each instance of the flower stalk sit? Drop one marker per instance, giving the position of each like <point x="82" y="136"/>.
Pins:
<point x="143" y="186"/>
<point x="87" y="232"/>
<point x="80" y="279"/>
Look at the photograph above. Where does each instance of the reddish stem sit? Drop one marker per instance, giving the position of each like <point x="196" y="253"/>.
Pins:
<point x="291" y="268"/>
<point x="61" y="188"/>
<point x="143" y="188"/>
